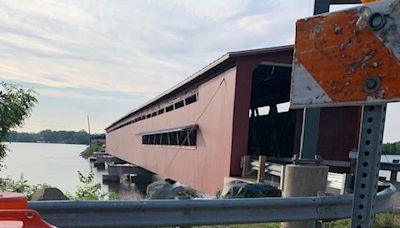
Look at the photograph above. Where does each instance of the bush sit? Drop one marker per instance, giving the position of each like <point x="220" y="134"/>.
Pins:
<point x="21" y="186"/>
<point x="90" y="190"/>
<point x="90" y="150"/>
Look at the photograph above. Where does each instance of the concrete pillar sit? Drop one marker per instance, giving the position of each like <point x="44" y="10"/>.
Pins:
<point x="304" y="180"/>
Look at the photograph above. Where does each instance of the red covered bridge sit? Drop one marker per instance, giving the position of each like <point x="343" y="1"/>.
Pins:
<point x="197" y="131"/>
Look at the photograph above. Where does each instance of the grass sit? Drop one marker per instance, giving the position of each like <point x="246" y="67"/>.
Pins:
<point x="255" y="225"/>
<point x="383" y="220"/>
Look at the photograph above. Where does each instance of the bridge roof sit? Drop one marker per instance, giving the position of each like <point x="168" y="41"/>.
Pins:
<point x="228" y="59"/>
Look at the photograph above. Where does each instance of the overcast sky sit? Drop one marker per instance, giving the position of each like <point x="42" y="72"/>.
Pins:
<point x="104" y="58"/>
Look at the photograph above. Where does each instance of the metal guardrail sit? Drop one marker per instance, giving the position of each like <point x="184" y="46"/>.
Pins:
<point x="335" y="180"/>
<point x="200" y="212"/>
<point x="390" y="166"/>
<point x="270" y="168"/>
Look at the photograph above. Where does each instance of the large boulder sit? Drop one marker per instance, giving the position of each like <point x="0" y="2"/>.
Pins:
<point x="164" y="190"/>
<point x="240" y="189"/>
<point x="48" y="193"/>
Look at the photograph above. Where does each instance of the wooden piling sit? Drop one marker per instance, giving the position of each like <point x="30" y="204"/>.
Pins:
<point x="261" y="169"/>
<point x="246" y="166"/>
<point x="393" y="174"/>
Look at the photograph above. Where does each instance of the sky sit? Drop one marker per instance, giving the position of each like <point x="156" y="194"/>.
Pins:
<point x="105" y="58"/>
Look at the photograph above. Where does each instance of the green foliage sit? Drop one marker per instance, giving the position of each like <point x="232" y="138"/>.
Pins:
<point x="49" y="136"/>
<point x="90" y="190"/>
<point x="391" y="148"/>
<point x="90" y="149"/>
<point x="21" y="186"/>
<point x="15" y="106"/>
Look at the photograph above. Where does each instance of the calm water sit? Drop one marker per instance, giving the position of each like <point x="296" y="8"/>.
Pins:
<point x="57" y="165"/>
<point x="54" y="164"/>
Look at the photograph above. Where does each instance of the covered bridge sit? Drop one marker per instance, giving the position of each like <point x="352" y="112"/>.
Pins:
<point x="197" y="131"/>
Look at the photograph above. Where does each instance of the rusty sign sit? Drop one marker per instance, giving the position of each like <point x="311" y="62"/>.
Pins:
<point x="349" y="57"/>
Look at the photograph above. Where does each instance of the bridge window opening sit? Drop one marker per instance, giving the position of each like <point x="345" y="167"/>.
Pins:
<point x="164" y="139"/>
<point x="179" y="137"/>
<point x="271" y="123"/>
<point x="183" y="138"/>
<point x="179" y="104"/>
<point x="169" y="108"/>
<point x="188" y="100"/>
<point x="173" y="140"/>
<point x="157" y="139"/>
<point x="191" y="99"/>
<point x="192" y="138"/>
<point x="146" y="139"/>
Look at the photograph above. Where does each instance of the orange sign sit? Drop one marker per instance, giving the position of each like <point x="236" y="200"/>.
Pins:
<point x="349" y="57"/>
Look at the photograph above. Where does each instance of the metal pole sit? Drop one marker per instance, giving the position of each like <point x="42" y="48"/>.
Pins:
<point x="368" y="164"/>
<point x="310" y="129"/>
<point x="309" y="135"/>
<point x="321" y="6"/>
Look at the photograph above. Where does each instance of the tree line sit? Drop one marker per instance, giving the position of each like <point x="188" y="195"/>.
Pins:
<point x="391" y="148"/>
<point x="49" y="136"/>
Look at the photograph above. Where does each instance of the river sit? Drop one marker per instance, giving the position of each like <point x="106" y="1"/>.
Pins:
<point x="56" y="165"/>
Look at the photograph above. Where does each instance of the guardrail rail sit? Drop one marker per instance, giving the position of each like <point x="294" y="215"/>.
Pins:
<point x="200" y="212"/>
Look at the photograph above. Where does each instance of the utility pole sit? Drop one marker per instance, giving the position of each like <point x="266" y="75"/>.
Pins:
<point x="90" y="136"/>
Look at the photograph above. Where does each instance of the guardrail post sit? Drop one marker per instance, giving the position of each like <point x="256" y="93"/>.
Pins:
<point x="246" y="165"/>
<point x="304" y="180"/>
<point x="261" y="169"/>
<point x="393" y="174"/>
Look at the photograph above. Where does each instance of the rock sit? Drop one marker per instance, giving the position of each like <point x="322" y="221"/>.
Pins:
<point x="164" y="190"/>
<point x="239" y="189"/>
<point x="48" y="193"/>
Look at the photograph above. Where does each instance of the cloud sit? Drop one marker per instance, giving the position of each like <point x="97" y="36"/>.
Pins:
<point x="146" y="46"/>
<point x="114" y="55"/>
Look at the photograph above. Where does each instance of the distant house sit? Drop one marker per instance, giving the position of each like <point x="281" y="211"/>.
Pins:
<point x="198" y="131"/>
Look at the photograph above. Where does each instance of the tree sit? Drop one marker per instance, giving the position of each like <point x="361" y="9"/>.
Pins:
<point x="15" y="106"/>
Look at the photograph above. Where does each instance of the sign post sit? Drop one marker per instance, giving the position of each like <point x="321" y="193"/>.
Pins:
<point x="352" y="58"/>
<point x="368" y="164"/>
